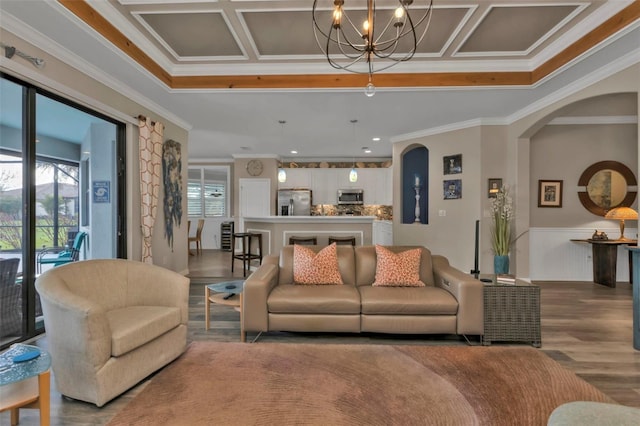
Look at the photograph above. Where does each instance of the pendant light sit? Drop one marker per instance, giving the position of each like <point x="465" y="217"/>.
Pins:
<point x="282" y="174"/>
<point x="353" y="174"/>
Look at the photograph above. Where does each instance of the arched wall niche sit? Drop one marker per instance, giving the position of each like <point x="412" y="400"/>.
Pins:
<point x="415" y="184"/>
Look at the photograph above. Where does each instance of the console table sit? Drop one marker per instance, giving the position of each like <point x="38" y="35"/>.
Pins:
<point x="512" y="313"/>
<point x="605" y="257"/>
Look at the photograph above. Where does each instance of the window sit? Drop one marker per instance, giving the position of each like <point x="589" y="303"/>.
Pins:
<point x="206" y="193"/>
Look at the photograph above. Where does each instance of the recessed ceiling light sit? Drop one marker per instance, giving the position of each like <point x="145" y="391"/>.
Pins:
<point x="366" y="150"/>
<point x="293" y="151"/>
<point x="245" y="148"/>
<point x="376" y="139"/>
<point x="86" y="152"/>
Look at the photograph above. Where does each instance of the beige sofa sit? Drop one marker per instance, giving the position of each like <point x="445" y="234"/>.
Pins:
<point x="110" y="323"/>
<point x="450" y="303"/>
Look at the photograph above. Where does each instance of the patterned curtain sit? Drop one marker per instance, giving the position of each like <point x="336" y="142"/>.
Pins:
<point x="150" y="142"/>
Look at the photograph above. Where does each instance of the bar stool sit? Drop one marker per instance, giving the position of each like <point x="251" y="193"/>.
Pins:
<point x="343" y="240"/>
<point x="307" y="241"/>
<point x="245" y="254"/>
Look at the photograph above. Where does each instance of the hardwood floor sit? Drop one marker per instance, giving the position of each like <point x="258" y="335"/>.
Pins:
<point x="585" y="327"/>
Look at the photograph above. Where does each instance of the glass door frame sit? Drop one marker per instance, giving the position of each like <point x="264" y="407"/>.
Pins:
<point x="29" y="155"/>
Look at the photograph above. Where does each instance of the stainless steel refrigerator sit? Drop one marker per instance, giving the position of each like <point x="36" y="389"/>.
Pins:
<point x="294" y="202"/>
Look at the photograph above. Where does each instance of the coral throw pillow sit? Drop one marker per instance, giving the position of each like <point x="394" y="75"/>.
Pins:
<point x="316" y="268"/>
<point x="398" y="269"/>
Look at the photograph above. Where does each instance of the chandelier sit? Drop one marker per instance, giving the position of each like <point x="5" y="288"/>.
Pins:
<point x="352" y="39"/>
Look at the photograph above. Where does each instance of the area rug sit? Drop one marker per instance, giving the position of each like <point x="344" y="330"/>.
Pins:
<point x="310" y="384"/>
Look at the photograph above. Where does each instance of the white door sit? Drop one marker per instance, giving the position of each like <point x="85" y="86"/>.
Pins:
<point x="255" y="199"/>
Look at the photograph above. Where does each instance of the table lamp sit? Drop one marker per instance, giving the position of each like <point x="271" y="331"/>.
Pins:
<point x="622" y="213"/>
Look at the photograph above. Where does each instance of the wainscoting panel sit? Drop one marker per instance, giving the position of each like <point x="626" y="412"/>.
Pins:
<point x="554" y="257"/>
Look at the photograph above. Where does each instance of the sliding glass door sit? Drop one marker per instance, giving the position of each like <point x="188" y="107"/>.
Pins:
<point x="61" y="195"/>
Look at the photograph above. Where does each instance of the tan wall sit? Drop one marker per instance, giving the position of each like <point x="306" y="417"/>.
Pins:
<point x="563" y="153"/>
<point x="451" y="235"/>
<point x="508" y="152"/>
<point x="70" y="83"/>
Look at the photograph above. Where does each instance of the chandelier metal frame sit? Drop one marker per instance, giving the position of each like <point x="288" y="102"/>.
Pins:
<point x="371" y="42"/>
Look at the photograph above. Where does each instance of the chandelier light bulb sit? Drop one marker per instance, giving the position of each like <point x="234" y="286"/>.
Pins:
<point x="388" y="35"/>
<point x="337" y="17"/>
<point x="370" y="90"/>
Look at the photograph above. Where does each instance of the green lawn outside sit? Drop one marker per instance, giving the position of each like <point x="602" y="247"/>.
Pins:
<point x="11" y="234"/>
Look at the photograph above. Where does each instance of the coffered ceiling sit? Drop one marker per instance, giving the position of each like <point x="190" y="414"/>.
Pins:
<point x="232" y="69"/>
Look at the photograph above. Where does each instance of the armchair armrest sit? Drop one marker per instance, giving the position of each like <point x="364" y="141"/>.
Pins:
<point x="51" y="250"/>
<point x="255" y="314"/>
<point x="76" y="326"/>
<point x="468" y="291"/>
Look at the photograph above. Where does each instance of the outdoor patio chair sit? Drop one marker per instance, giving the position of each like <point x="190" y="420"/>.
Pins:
<point x="10" y="298"/>
<point x="63" y="255"/>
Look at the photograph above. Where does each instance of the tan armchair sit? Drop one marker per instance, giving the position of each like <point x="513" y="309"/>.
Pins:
<point x="111" y="323"/>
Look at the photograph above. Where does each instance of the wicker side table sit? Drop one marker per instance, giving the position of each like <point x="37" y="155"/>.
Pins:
<point x="512" y="313"/>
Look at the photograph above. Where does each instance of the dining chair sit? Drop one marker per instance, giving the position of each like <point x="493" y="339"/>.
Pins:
<point x="198" y="237"/>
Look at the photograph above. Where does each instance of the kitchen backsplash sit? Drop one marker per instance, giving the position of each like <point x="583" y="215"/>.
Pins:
<point x="380" y="212"/>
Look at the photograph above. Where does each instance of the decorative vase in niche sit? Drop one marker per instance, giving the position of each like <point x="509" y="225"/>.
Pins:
<point x="501" y="264"/>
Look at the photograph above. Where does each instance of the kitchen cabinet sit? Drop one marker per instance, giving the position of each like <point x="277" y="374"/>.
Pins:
<point x="325" y="183"/>
<point x="377" y="186"/>
<point x="324" y="186"/>
<point x="296" y="178"/>
<point x="382" y="232"/>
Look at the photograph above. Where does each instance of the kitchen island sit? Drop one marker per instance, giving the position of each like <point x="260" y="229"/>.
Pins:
<point x="276" y="230"/>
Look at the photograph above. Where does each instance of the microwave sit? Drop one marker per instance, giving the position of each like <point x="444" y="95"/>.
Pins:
<point x="350" y="196"/>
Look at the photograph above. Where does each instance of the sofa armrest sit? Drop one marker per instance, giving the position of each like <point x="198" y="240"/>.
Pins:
<point x="255" y="314"/>
<point x="468" y="291"/>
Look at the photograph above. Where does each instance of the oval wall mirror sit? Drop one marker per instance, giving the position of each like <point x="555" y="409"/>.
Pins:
<point x="607" y="186"/>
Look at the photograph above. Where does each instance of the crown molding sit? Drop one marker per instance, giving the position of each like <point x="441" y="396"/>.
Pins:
<point x="628" y="60"/>
<point x="34" y="37"/>
<point x="594" y="120"/>
<point x="600" y="74"/>
<point x="580" y="30"/>
<point x="619" y="21"/>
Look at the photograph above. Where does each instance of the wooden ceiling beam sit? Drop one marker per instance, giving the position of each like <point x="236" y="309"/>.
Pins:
<point x="86" y="13"/>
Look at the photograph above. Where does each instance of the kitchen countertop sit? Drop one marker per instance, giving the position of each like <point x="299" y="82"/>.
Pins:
<point x="312" y="219"/>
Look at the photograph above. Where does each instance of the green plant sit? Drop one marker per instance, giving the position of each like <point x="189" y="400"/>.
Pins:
<point x="502" y="215"/>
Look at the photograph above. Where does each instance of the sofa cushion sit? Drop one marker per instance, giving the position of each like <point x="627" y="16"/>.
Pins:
<point x="310" y="267"/>
<point x="407" y="301"/>
<point x="299" y="299"/>
<point x="365" y="258"/>
<point x="346" y="264"/>
<point x="398" y="269"/>
<point x="133" y="326"/>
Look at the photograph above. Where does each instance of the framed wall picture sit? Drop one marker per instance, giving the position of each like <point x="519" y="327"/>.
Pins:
<point x="494" y="186"/>
<point x="452" y="189"/>
<point x="549" y="193"/>
<point x="452" y="164"/>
